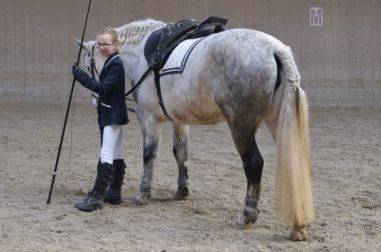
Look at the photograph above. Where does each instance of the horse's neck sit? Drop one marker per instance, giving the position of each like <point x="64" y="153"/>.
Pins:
<point x="134" y="62"/>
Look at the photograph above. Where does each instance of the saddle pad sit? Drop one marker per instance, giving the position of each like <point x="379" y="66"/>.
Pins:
<point x="179" y="57"/>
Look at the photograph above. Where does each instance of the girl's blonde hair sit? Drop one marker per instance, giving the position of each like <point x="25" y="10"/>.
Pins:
<point x="112" y="32"/>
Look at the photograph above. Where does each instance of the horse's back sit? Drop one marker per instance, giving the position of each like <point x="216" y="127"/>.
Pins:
<point x="228" y="72"/>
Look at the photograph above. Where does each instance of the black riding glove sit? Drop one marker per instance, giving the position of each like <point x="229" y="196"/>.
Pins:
<point x="79" y="74"/>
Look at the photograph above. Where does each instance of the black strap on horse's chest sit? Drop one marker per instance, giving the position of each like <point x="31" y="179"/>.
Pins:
<point x="162" y="42"/>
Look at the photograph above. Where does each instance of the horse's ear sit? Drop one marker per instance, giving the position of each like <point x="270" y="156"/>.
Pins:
<point x="84" y="45"/>
<point x="78" y="42"/>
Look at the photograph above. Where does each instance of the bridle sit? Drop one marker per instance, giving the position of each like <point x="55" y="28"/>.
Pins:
<point x="93" y="67"/>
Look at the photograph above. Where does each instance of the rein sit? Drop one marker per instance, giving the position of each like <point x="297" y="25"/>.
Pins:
<point x="135" y="86"/>
<point x="93" y="70"/>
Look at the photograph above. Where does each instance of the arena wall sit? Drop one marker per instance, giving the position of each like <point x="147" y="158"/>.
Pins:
<point x="339" y="60"/>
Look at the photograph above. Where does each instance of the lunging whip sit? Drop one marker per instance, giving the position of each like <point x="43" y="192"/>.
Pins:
<point x="68" y="109"/>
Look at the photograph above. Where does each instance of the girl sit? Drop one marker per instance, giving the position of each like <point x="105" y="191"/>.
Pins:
<point x="112" y="115"/>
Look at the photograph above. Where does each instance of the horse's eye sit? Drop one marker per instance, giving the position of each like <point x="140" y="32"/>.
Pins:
<point x="88" y="68"/>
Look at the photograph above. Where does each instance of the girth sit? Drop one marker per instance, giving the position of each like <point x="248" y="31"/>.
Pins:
<point x="161" y="43"/>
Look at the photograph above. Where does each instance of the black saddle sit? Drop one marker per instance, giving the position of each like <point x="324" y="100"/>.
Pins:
<point x="161" y="43"/>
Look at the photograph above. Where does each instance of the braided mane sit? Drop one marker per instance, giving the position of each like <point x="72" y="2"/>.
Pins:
<point x="134" y="32"/>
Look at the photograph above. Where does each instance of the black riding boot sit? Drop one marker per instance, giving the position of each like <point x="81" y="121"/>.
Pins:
<point x="101" y="183"/>
<point x="113" y="195"/>
<point x="91" y="191"/>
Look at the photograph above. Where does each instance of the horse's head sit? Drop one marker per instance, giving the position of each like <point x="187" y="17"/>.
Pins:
<point x="132" y="38"/>
<point x="89" y="50"/>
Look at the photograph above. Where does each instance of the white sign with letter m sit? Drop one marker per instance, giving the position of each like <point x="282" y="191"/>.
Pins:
<point x="316" y="16"/>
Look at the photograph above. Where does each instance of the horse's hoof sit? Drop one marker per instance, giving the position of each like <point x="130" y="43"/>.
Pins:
<point x="182" y="193"/>
<point x="298" y="235"/>
<point x="142" y="198"/>
<point x="240" y="222"/>
<point x="248" y="217"/>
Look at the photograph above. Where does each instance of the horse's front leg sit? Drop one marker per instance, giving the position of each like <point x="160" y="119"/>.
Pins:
<point x="180" y="151"/>
<point x="151" y="135"/>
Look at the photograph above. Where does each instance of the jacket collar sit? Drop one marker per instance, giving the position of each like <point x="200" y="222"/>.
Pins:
<point x="110" y="58"/>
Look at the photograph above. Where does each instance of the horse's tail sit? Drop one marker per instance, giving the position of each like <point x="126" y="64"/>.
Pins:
<point x="294" y="198"/>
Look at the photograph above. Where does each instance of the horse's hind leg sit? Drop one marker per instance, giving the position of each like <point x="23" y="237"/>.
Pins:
<point x="244" y="139"/>
<point x="180" y="151"/>
<point x="151" y="134"/>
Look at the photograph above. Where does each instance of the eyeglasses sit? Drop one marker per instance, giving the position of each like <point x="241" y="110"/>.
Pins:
<point x="99" y="45"/>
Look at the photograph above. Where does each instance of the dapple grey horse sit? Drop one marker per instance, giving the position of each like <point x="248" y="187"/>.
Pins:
<point x="229" y="77"/>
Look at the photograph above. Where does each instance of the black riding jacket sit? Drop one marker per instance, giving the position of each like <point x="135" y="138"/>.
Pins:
<point x="111" y="105"/>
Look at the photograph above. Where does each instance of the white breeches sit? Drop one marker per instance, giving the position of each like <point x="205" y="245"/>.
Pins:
<point x="112" y="144"/>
